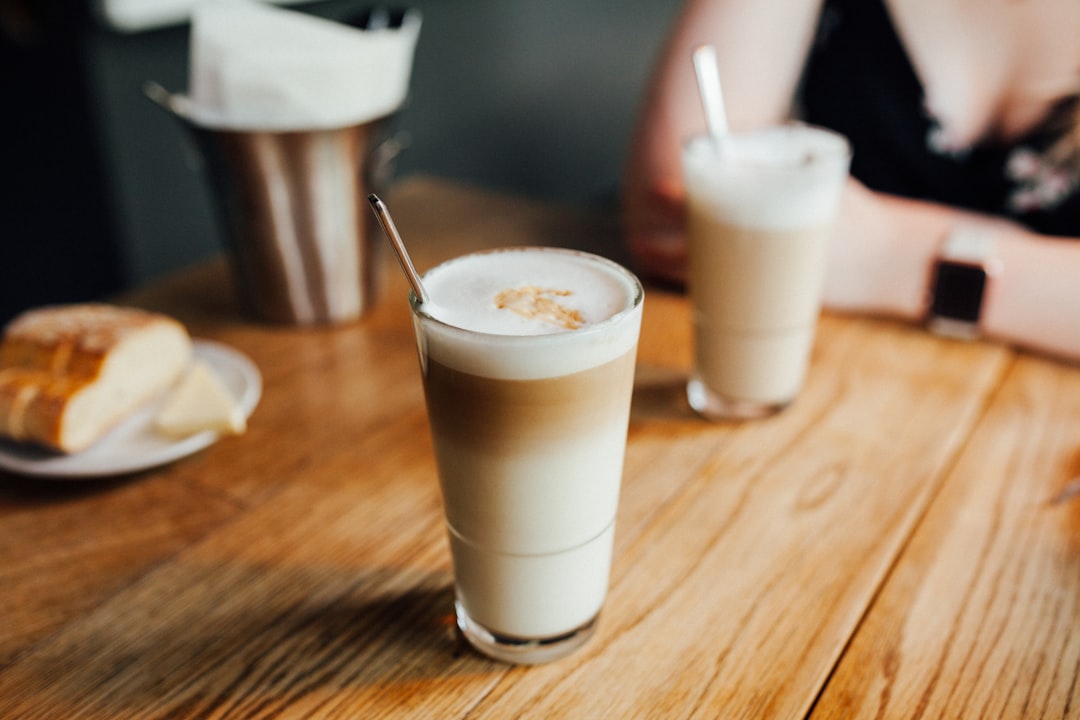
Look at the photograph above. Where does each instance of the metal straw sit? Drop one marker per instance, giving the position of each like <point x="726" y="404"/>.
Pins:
<point x="712" y="97"/>
<point x="387" y="222"/>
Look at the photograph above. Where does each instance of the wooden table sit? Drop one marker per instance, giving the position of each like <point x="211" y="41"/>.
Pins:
<point x="891" y="546"/>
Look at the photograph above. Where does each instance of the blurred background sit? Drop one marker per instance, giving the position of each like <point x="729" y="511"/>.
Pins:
<point x="98" y="185"/>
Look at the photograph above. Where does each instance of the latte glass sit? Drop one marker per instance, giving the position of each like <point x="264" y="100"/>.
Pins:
<point x="761" y="209"/>
<point x="529" y="416"/>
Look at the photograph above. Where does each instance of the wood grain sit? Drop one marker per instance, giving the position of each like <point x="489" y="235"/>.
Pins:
<point x="886" y="547"/>
<point x="981" y="617"/>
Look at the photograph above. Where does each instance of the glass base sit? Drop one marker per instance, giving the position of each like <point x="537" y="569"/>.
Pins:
<point x="716" y="407"/>
<point x="522" y="651"/>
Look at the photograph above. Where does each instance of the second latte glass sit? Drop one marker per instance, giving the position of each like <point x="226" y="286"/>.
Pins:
<point x="761" y="210"/>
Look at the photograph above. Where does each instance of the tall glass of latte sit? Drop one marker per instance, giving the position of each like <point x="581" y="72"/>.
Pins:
<point x="527" y="358"/>
<point x="761" y="207"/>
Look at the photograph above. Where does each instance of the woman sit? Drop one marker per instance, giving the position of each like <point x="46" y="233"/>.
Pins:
<point x="963" y="114"/>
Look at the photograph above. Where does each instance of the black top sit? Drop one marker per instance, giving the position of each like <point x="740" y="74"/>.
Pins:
<point x="860" y="82"/>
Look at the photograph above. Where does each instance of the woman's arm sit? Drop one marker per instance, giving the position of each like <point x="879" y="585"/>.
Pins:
<point x="1034" y="302"/>
<point x="882" y="260"/>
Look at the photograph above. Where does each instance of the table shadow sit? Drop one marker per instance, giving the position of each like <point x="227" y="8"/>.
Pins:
<point x="220" y="640"/>
<point x="660" y="394"/>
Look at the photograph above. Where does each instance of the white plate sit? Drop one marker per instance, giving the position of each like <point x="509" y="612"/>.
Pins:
<point x="135" y="444"/>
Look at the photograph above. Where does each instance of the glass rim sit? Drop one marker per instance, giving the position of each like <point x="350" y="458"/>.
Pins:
<point x="839" y="149"/>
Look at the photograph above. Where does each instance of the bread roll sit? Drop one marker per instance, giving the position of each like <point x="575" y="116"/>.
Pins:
<point x="70" y="373"/>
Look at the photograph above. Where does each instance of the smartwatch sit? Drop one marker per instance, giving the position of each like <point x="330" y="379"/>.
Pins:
<point x="963" y="270"/>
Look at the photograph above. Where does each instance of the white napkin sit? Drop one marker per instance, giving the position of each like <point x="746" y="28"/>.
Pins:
<point x="259" y="67"/>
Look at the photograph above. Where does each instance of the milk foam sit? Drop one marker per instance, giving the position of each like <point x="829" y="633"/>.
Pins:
<point x="474" y="334"/>
<point x="729" y="181"/>
<point x="464" y="291"/>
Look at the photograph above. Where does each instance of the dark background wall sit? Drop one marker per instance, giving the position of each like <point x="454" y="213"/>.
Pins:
<point x="534" y="98"/>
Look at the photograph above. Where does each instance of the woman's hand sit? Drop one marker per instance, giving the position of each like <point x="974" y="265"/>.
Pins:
<point x="881" y="254"/>
<point x="655" y="230"/>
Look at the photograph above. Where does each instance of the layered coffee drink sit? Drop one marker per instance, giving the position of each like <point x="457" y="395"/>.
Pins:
<point x="528" y="364"/>
<point x="761" y="208"/>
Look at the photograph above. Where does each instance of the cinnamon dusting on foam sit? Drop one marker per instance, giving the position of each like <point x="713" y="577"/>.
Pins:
<point x="537" y="303"/>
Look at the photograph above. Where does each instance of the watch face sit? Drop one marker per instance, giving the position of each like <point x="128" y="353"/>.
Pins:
<point x="958" y="291"/>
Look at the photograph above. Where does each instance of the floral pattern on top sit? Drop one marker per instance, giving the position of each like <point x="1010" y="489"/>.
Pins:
<point x="1041" y="182"/>
<point x="1041" y="179"/>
